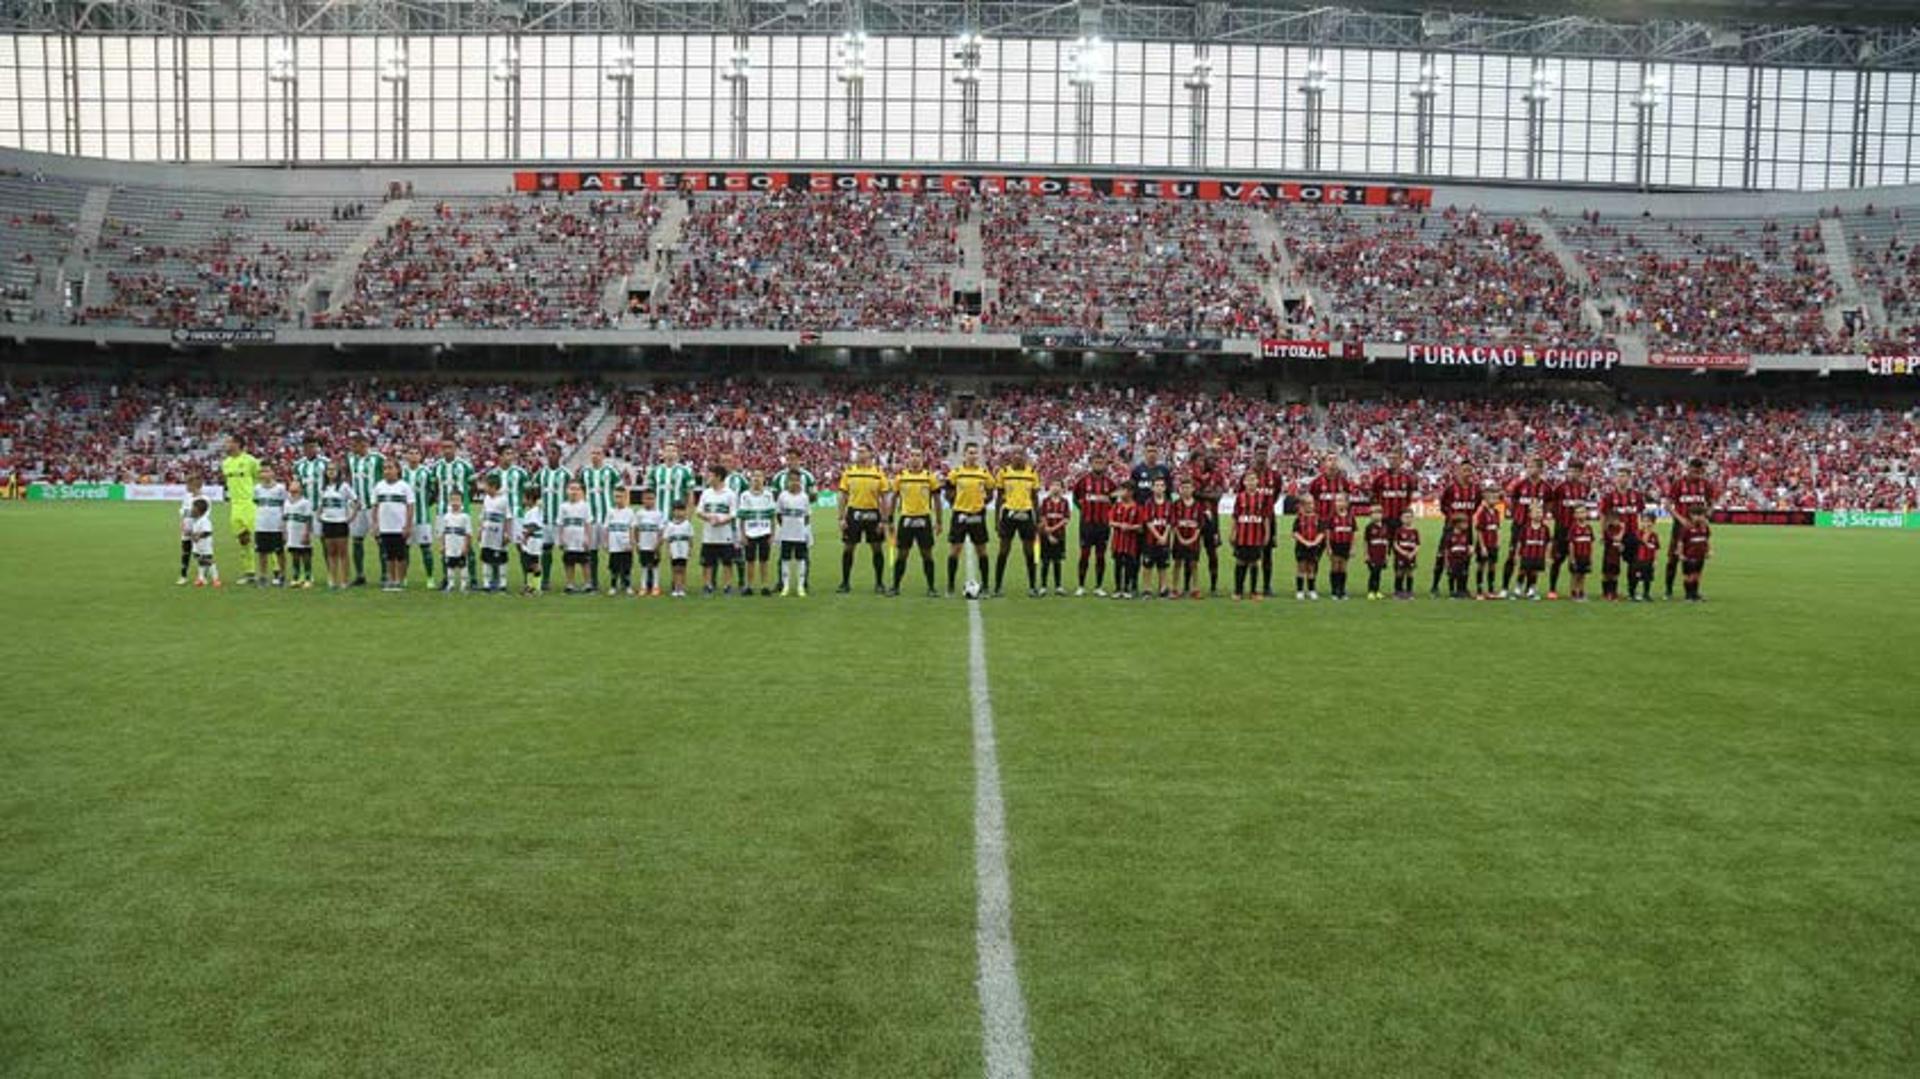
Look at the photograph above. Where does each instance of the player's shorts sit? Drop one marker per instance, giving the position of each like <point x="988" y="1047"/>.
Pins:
<point x="1533" y="565"/>
<point x="968" y="526"/>
<point x="1210" y="530"/>
<point x="650" y="559"/>
<point x="1689" y="566"/>
<point x="1304" y="553"/>
<point x="1248" y="552"/>
<point x="794" y="549"/>
<point x="493" y="556"/>
<point x="240" y="516"/>
<point x="863" y="526"/>
<point x="1582" y="565"/>
<point x="1094" y="535"/>
<point x="1486" y="554"/>
<point x="1186" y="554"/>
<point x="422" y="535"/>
<point x="574" y="558"/>
<point x="619" y="562"/>
<point x="393" y="546"/>
<point x="678" y="563"/>
<point x="1405" y="565"/>
<point x="456" y="562"/>
<point x="915" y="531"/>
<point x="1053" y="549"/>
<point x="269" y="542"/>
<point x="757" y="548"/>
<point x="1673" y="541"/>
<point x="1340" y="550"/>
<point x="529" y="563"/>
<point x="1153" y="557"/>
<point x="716" y="554"/>
<point x="1017" y="523"/>
<point x="1630" y="547"/>
<point x="333" y="529"/>
<point x="361" y="525"/>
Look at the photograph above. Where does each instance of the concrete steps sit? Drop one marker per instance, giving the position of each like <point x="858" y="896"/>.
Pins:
<point x="338" y="276"/>
<point x="597" y="428"/>
<point x="1849" y="293"/>
<point x="654" y="273"/>
<point x="78" y="265"/>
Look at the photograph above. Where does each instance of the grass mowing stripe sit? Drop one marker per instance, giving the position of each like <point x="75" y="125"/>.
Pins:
<point x="1003" y="1011"/>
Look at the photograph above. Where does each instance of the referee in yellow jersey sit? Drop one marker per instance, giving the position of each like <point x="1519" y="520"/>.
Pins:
<point x="968" y="488"/>
<point x="1019" y="487"/>
<point x="862" y="486"/>
<point x="917" y="517"/>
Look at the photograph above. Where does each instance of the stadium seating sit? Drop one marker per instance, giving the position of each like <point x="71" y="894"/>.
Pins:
<point x="1886" y="259"/>
<point x="499" y="264"/>
<point x="38" y="227"/>
<point x="1754" y="285"/>
<point x="1444" y="275"/>
<point x="813" y="262"/>
<point x="1140" y="267"/>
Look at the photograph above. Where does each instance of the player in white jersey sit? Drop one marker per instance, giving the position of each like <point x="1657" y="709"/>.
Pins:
<point x="393" y="521"/>
<point x="719" y="531"/>
<point x="496" y="531"/>
<point x="617" y="536"/>
<point x="186" y="527"/>
<point x="678" y="536"/>
<point x="649" y="523"/>
<point x="757" y="507"/>
<point x="456" y="530"/>
<point x="339" y="505"/>
<point x="300" y="534"/>
<point x="270" y="528"/>
<point x="794" y="508"/>
<point x="576" y="537"/>
<point x="532" y="534"/>
<point x="200" y="534"/>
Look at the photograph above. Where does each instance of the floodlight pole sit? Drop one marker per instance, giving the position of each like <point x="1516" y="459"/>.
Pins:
<point x="1313" y="90"/>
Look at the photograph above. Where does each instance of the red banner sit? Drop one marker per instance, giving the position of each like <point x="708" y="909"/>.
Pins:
<point x="1701" y="361"/>
<point x="1894" y="365"/>
<point x="1118" y="187"/>
<point x="1276" y="349"/>
<point x="1518" y="357"/>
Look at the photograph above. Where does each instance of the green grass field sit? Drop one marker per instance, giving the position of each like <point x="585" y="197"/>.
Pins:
<point x="266" y="833"/>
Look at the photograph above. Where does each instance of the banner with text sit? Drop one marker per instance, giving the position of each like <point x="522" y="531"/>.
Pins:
<point x="1588" y="361"/>
<point x="1119" y="342"/>
<point x="1701" y="361"/>
<point x="1275" y="349"/>
<point x="1891" y="366"/>
<point x="1761" y="517"/>
<point x="1866" y="519"/>
<point x="1116" y="187"/>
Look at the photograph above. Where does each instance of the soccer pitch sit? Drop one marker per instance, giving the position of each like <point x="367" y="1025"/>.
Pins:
<point x="261" y="832"/>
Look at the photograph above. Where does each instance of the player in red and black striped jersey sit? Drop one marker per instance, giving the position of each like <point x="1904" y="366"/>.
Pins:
<point x="1695" y="541"/>
<point x="1156" y="537"/>
<point x="1332" y="480"/>
<point x="1536" y="537"/>
<point x="1485" y="523"/>
<point x="1269" y="481"/>
<point x="1688" y="496"/>
<point x="1613" y="539"/>
<point x="1456" y="553"/>
<point x="1056" y="513"/>
<point x="1126" y="520"/>
<point x="1093" y="493"/>
<point x="1379" y="541"/>
<point x="1640" y="564"/>
<point x="1394" y="489"/>
<point x="1309" y="541"/>
<point x="1572" y="500"/>
<point x="1342" y="529"/>
<point x="1252" y="533"/>
<point x="1526" y="500"/>
<point x="1458" y="498"/>
<point x="1209" y="487"/>
<point x="1406" y="555"/>
<point x="1580" y="555"/>
<point x="1188" y="517"/>
<point x="1622" y="504"/>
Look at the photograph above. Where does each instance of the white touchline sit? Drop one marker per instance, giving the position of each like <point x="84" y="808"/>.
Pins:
<point x="1003" y="1010"/>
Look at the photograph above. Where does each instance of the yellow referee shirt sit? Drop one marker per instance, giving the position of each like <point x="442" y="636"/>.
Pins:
<point x="1017" y="488"/>
<point x="970" y="487"/>
<point x="916" y="493"/>
<point x="863" y="487"/>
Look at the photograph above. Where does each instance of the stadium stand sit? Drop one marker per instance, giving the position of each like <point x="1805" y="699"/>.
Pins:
<point x="39" y="222"/>
<point x="1886" y="256"/>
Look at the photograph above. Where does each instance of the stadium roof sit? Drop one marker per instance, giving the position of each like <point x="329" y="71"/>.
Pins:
<point x="1821" y="33"/>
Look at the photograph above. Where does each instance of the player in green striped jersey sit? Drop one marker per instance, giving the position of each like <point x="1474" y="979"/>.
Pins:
<point x="311" y="469"/>
<point x="552" y="479"/>
<point x="364" y="469"/>
<point x="787" y="468"/>
<point x="453" y="475"/>
<point x="599" y="479"/>
<point x="671" y="480"/>
<point x="737" y="483"/>
<point x="421" y="477"/>
<point x="513" y="480"/>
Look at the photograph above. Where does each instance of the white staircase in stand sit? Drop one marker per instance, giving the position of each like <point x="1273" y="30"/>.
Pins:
<point x="338" y="276"/>
<point x="76" y="266"/>
<point x="598" y="427"/>
<point x="1848" y="292"/>
<point x="654" y="270"/>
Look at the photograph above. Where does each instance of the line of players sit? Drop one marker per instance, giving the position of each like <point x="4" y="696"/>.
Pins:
<point x="1158" y="526"/>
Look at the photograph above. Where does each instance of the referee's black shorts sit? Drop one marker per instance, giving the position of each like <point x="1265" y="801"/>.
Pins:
<point x="863" y="526"/>
<point x="1017" y="523"/>
<point x="968" y="526"/>
<point x="914" y="531"/>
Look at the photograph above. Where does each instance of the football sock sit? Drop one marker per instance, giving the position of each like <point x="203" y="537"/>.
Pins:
<point x="1339" y="583"/>
<point x="1100" y="567"/>
<point x="1506" y="574"/>
<point x="426" y="560"/>
<point x="186" y="557"/>
<point x="926" y="563"/>
<point x="879" y="568"/>
<point x="360" y="558"/>
<point x="1239" y="579"/>
<point x="1438" y="568"/>
<point x="846" y="566"/>
<point x="999" y="569"/>
<point x="1086" y="553"/>
<point x="1266" y="570"/>
<point x="1026" y="556"/>
<point x="1672" y="567"/>
<point x="983" y="570"/>
<point x="1553" y="577"/>
<point x="899" y="571"/>
<point x="953" y="570"/>
<point x="1213" y="569"/>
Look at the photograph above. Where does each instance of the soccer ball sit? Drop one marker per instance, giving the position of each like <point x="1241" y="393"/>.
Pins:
<point x="973" y="590"/>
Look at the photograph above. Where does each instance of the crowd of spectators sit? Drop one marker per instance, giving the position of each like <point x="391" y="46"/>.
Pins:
<point x="1733" y="285"/>
<point x="1886" y="259"/>
<point x="809" y="261"/>
<point x="499" y="264"/>
<point x="1452" y="275"/>
<point x="1764" y="456"/>
<point x="1098" y="265"/>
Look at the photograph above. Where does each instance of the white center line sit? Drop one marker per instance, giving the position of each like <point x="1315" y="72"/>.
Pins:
<point x="1003" y="1010"/>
